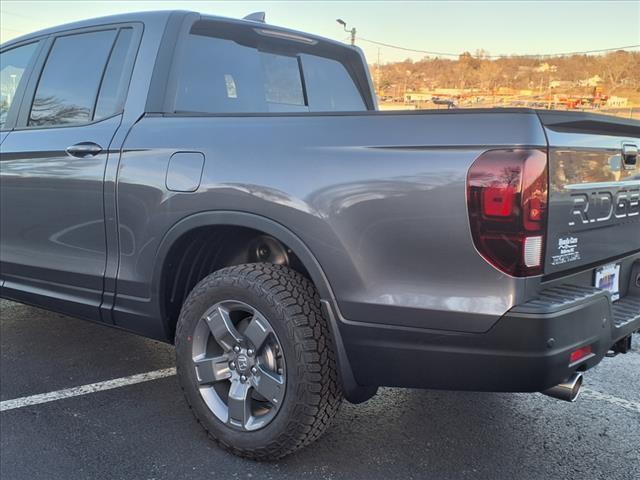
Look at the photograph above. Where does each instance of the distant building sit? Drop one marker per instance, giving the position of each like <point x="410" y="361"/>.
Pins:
<point x="454" y="91"/>
<point x="415" y="97"/>
<point x="591" y="82"/>
<point x="545" y="67"/>
<point x="560" y="84"/>
<point x="617" y="102"/>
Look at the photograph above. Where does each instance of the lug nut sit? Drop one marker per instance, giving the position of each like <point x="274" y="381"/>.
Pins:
<point x="243" y="378"/>
<point x="236" y="349"/>
<point x="254" y="370"/>
<point x="232" y="365"/>
<point x="250" y="352"/>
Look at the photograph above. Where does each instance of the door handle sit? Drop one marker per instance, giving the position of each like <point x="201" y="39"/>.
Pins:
<point x="84" y="149"/>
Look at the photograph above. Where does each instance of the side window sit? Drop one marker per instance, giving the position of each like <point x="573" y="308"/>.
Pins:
<point x="221" y="76"/>
<point x="114" y="83"/>
<point x="69" y="83"/>
<point x="13" y="63"/>
<point x="330" y="88"/>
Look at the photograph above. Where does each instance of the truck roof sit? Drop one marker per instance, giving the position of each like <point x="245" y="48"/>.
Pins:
<point x="158" y="17"/>
<point x="146" y="17"/>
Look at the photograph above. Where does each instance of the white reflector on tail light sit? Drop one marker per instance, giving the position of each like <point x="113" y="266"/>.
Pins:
<point x="533" y="251"/>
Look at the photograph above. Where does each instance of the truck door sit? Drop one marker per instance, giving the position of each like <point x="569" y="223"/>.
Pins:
<point x="53" y="247"/>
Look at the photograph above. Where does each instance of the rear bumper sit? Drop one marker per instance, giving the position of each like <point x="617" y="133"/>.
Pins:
<point x="527" y="350"/>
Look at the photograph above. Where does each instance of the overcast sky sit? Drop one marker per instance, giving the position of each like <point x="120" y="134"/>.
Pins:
<point x="500" y="27"/>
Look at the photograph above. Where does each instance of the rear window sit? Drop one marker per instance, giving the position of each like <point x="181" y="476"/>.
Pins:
<point x="329" y="85"/>
<point x="221" y="75"/>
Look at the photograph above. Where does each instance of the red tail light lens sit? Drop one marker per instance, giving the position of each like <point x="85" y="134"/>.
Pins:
<point x="507" y="193"/>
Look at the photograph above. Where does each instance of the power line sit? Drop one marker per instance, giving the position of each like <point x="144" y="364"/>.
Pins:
<point x="20" y="15"/>
<point x="456" y="55"/>
<point x="442" y="54"/>
<point x="11" y="30"/>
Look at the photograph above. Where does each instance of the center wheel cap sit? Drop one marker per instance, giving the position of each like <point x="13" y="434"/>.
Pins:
<point x="242" y="361"/>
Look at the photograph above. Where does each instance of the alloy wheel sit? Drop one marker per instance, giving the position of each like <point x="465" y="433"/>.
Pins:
<point x="239" y="365"/>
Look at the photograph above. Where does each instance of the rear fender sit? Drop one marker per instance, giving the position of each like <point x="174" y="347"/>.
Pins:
<point x="353" y="392"/>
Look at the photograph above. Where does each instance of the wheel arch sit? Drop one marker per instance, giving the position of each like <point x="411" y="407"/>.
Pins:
<point x="353" y="392"/>
<point x="240" y="219"/>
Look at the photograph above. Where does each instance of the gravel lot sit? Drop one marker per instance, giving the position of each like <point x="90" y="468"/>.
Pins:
<point x="145" y="431"/>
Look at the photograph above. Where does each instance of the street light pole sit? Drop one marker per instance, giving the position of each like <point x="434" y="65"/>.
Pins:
<point x="13" y="87"/>
<point x="352" y="31"/>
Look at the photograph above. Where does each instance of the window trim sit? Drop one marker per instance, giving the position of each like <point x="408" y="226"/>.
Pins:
<point x="16" y="104"/>
<point x="303" y="81"/>
<point x="22" y="121"/>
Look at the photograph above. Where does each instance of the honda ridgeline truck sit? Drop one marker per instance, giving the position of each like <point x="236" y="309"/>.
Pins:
<point x="228" y="186"/>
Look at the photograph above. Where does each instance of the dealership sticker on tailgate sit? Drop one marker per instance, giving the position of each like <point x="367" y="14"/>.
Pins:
<point x="608" y="278"/>
<point x="567" y="251"/>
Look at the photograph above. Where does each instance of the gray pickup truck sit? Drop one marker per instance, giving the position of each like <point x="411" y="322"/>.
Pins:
<point x="228" y="186"/>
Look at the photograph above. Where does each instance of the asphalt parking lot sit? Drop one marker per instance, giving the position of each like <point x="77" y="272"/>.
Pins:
<point x="145" y="430"/>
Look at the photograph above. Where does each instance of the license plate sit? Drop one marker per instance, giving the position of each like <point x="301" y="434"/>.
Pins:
<point x="608" y="278"/>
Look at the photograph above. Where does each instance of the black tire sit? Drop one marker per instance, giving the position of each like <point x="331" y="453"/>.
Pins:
<point x="291" y="305"/>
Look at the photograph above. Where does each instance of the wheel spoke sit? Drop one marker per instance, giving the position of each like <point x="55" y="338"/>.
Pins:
<point x="223" y="329"/>
<point x="269" y="384"/>
<point x="257" y="331"/>
<point x="239" y="403"/>
<point x="210" y="370"/>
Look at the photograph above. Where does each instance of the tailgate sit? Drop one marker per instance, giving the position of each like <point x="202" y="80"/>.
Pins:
<point x="594" y="189"/>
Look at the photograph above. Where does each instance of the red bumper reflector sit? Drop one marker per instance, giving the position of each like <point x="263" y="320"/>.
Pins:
<point x="580" y="354"/>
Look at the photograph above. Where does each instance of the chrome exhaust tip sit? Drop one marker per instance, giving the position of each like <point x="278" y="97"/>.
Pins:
<point x="568" y="390"/>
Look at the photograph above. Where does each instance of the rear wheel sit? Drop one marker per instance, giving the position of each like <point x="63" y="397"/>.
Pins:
<point x="255" y="360"/>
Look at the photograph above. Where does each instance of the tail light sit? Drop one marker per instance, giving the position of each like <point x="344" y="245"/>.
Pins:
<point x="507" y="193"/>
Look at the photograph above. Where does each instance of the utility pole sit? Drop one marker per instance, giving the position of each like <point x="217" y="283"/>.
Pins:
<point x="406" y="80"/>
<point x="378" y="72"/>
<point x="352" y="31"/>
